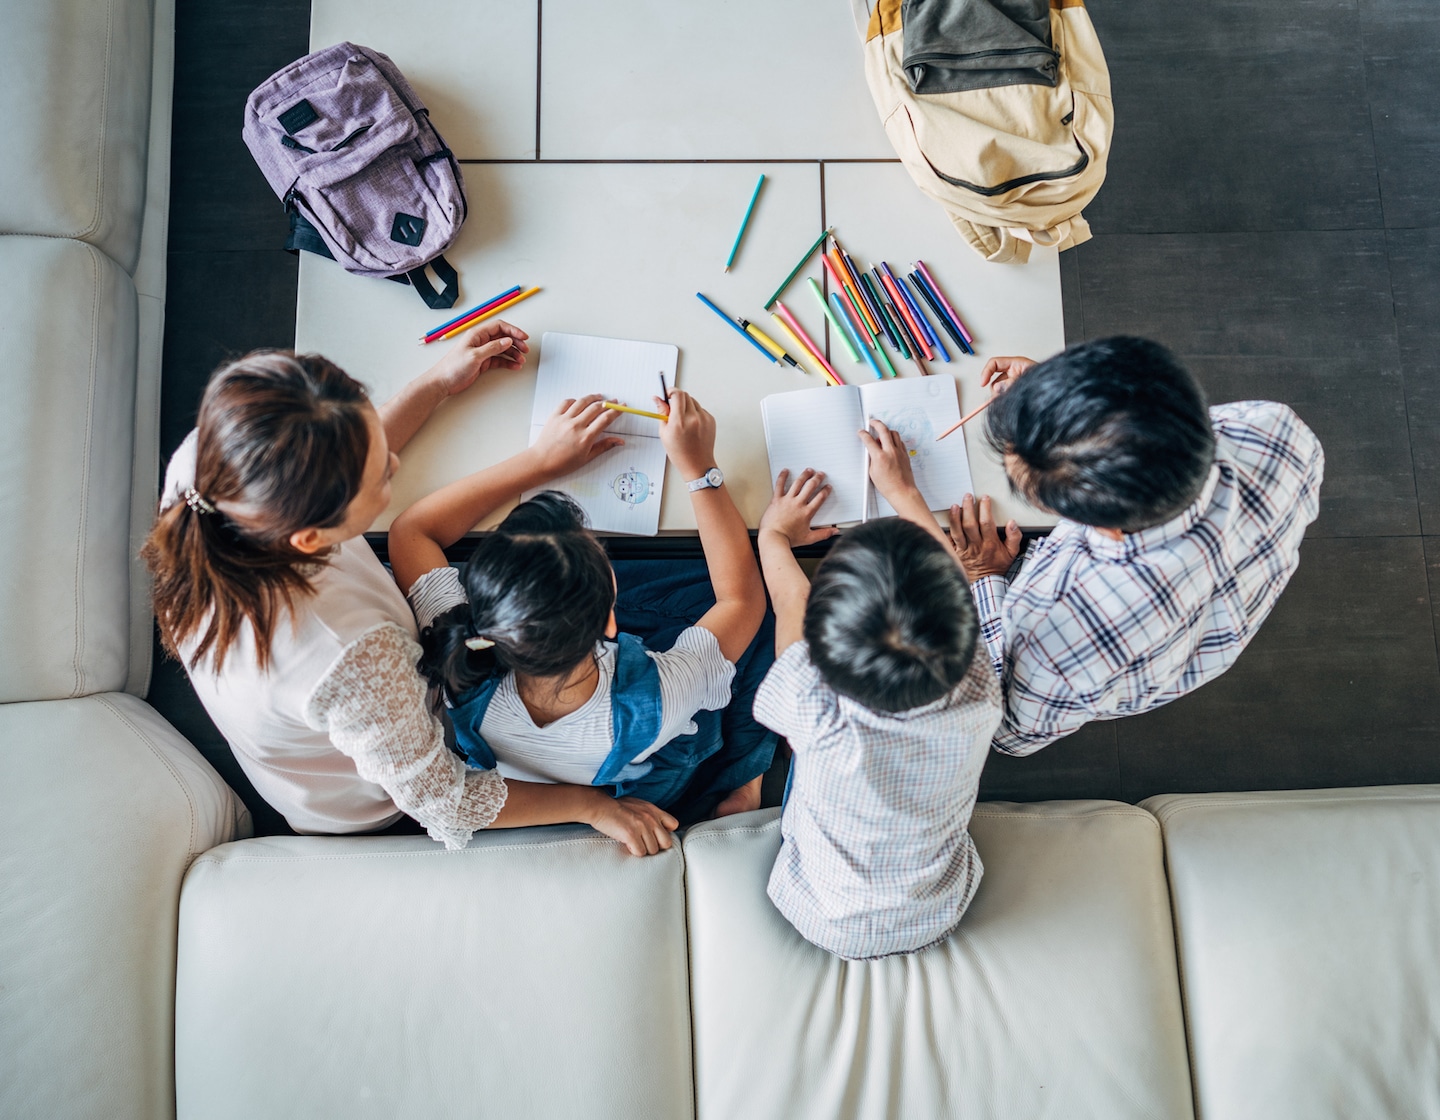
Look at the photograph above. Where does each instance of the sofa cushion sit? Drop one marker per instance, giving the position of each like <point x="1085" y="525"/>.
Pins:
<point x="75" y="81"/>
<point x="537" y="974"/>
<point x="102" y="807"/>
<point x="1308" y="925"/>
<point x="67" y="430"/>
<point x="1056" y="997"/>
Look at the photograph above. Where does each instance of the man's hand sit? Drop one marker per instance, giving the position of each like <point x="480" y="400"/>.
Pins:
<point x="890" y="469"/>
<point x="575" y="434"/>
<point x="976" y="542"/>
<point x="688" y="436"/>
<point x="792" y="508"/>
<point x="493" y="345"/>
<point x="1000" y="373"/>
<point x="642" y="827"/>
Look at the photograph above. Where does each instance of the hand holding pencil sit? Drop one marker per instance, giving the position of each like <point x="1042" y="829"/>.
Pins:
<point x="998" y="375"/>
<point x="493" y="345"/>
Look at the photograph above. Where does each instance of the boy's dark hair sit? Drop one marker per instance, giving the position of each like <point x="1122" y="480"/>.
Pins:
<point x="890" y="620"/>
<point x="540" y="587"/>
<point x="1112" y="433"/>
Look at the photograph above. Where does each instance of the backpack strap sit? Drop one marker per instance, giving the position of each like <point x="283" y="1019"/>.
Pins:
<point x="447" y="295"/>
<point x="304" y="236"/>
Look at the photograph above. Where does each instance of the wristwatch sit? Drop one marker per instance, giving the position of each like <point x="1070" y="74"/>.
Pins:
<point x="711" y="478"/>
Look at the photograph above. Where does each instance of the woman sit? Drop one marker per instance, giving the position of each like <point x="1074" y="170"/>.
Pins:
<point x="297" y="640"/>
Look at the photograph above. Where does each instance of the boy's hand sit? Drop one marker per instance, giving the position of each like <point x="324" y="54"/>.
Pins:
<point x="493" y="345"/>
<point x="642" y="827"/>
<point x="575" y="434"/>
<point x="978" y="548"/>
<point x="889" y="462"/>
<point x="689" y="435"/>
<point x="792" y="508"/>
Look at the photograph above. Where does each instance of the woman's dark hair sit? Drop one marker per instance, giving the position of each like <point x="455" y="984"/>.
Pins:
<point x="1112" y="433"/>
<point x="281" y="445"/>
<point x="540" y="587"/>
<point x="890" y="620"/>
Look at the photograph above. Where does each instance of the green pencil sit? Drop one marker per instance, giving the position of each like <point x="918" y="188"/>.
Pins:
<point x="834" y="322"/>
<point x="810" y="252"/>
<point x="745" y="221"/>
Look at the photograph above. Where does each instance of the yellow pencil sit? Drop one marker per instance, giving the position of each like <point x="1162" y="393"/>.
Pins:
<point x="635" y="411"/>
<point x="511" y="302"/>
<point x="784" y="326"/>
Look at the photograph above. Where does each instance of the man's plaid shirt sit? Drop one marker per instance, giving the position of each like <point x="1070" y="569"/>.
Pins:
<point x="1093" y="628"/>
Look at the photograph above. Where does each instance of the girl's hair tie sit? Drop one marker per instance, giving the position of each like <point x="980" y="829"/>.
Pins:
<point x="478" y="642"/>
<point x="196" y="502"/>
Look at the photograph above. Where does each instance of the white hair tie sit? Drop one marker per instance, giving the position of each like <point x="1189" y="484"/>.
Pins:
<point x="478" y="643"/>
<point x="196" y="502"/>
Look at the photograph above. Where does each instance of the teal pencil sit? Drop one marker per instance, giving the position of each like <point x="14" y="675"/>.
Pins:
<point x="834" y="322"/>
<point x="744" y="222"/>
<point x="845" y="318"/>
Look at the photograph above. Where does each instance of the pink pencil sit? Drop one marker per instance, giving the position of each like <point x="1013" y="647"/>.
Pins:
<point x="925" y="272"/>
<point x="805" y="338"/>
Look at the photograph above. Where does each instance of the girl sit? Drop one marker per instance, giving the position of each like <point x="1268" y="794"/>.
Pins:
<point x="296" y="639"/>
<point x="529" y="652"/>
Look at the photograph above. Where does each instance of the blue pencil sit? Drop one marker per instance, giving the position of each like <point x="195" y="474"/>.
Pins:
<point x="745" y="221"/>
<point x="443" y="327"/>
<point x="854" y="337"/>
<point x="920" y="318"/>
<point x="746" y="335"/>
<point x="933" y="300"/>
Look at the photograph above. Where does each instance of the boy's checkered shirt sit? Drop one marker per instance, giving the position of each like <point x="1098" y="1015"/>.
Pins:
<point x="1094" y="628"/>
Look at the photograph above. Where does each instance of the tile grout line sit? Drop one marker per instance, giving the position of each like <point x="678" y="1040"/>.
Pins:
<point x="824" y="319"/>
<point x="671" y="162"/>
<point x="539" y="27"/>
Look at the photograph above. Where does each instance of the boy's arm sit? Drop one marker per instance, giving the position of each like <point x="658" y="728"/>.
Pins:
<point x="890" y="472"/>
<point x="574" y="434"/>
<point x="786" y="526"/>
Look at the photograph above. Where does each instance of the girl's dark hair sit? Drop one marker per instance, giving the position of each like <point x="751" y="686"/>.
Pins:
<point x="281" y="445"/>
<point x="1112" y="433"/>
<point x="540" y="587"/>
<point x="890" y="620"/>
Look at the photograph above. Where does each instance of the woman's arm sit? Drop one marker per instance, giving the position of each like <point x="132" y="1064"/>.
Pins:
<point x="689" y="439"/>
<point x="574" y="434"/>
<point x="786" y="526"/>
<point x="492" y="345"/>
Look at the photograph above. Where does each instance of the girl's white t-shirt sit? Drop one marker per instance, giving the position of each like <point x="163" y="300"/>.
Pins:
<point x="694" y="675"/>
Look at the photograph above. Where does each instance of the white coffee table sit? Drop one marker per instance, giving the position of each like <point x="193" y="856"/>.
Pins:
<point x="621" y="221"/>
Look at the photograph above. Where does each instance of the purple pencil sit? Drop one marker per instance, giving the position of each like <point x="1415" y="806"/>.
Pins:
<point x="945" y="303"/>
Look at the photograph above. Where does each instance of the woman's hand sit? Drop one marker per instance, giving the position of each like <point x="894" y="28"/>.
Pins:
<point x="792" y="508"/>
<point x="979" y="550"/>
<point x="688" y="436"/>
<point x="493" y="345"/>
<point x="889" y="463"/>
<point x="642" y="827"/>
<point x="575" y="434"/>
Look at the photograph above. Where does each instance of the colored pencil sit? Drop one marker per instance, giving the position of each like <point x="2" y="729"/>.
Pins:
<point x="884" y="357"/>
<point x="734" y="326"/>
<point x="794" y="272"/>
<point x="851" y="329"/>
<point x="855" y="283"/>
<point x="964" y="420"/>
<point x="929" y="297"/>
<point x="809" y="343"/>
<point x="920" y="317"/>
<point x="915" y="313"/>
<point x="436" y="332"/>
<point x="664" y="392"/>
<point x="857" y="309"/>
<point x="917" y="338"/>
<point x="945" y="303"/>
<point x="784" y="326"/>
<point x="634" y="411"/>
<point x="847" y="269"/>
<point x="499" y="307"/>
<point x="744" y="222"/>
<point x="844" y="290"/>
<point x="834" y="322"/>
<point x="768" y="342"/>
<point x="877" y="305"/>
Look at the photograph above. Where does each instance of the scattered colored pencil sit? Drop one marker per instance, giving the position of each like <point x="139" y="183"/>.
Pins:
<point x="877" y="307"/>
<point x="744" y="222"/>
<point x="855" y="283"/>
<point x="917" y="337"/>
<point x="929" y="297"/>
<point x="842" y="281"/>
<point x="834" y="322"/>
<point x="735" y="327"/>
<point x="844" y="291"/>
<point x="436" y="332"/>
<point x="794" y="272"/>
<point x="635" y="411"/>
<point x="768" y="342"/>
<point x="852" y="330"/>
<point x="814" y="357"/>
<point x="809" y="343"/>
<point x="499" y="307"/>
<point x="884" y="357"/>
<point x="945" y="303"/>
<point x="964" y="420"/>
<point x="920" y="317"/>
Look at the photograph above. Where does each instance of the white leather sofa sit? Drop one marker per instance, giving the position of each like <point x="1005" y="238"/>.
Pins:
<point x="1223" y="956"/>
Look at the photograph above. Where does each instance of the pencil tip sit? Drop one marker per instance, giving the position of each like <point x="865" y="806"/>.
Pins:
<point x="725" y="269"/>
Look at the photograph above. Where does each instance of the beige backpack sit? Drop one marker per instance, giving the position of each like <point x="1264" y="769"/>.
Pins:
<point x="1013" y="165"/>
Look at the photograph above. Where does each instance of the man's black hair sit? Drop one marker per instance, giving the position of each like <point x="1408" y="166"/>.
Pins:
<point x="1112" y="433"/>
<point x="890" y="620"/>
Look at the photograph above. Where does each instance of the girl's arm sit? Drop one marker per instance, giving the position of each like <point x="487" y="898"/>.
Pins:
<point x="642" y="827"/>
<point x="786" y="526"/>
<point x="574" y="434"/>
<point x="490" y="346"/>
<point x="689" y="439"/>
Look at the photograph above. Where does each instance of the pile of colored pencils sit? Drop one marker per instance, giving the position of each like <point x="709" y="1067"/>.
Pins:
<point x="493" y="306"/>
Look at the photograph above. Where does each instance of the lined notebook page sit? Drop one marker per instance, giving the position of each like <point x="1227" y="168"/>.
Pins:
<point x="919" y="409"/>
<point x="818" y="428"/>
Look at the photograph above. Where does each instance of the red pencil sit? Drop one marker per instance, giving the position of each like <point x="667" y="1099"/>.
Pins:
<point x="456" y="324"/>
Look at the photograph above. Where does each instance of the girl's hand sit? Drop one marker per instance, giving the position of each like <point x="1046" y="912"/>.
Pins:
<point x="575" y="434"/>
<point x="792" y="508"/>
<point x="689" y="434"/>
<point x="642" y="827"/>
<point x="493" y="345"/>
<point x="889" y="462"/>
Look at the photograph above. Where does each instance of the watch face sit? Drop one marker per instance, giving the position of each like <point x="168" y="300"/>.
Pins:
<point x="714" y="477"/>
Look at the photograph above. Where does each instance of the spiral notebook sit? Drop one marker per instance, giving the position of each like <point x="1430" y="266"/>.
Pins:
<point x="620" y="490"/>
<point x="820" y="428"/>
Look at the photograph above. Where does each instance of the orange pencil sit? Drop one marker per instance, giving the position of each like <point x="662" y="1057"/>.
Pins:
<point x="862" y="313"/>
<point x="844" y="290"/>
<point x="854" y="283"/>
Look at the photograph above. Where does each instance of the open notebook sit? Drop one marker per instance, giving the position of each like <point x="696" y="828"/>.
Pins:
<point x="620" y="490"/>
<point x="819" y="428"/>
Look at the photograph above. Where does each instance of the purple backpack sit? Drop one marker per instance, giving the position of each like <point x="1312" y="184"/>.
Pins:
<point x="349" y="148"/>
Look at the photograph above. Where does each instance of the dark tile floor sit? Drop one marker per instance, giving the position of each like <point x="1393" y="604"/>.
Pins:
<point x="1270" y="213"/>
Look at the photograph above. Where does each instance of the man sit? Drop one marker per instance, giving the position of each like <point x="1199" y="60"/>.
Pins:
<point x="1179" y="528"/>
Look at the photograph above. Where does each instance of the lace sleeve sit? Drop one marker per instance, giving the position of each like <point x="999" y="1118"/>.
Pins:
<point x="372" y="703"/>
